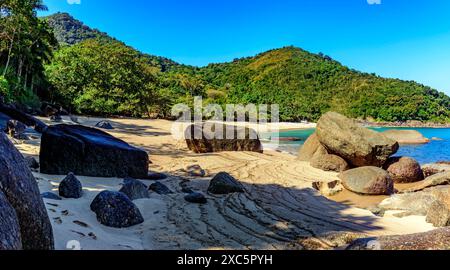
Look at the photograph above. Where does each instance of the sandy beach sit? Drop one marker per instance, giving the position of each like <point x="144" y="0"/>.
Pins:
<point x="279" y="210"/>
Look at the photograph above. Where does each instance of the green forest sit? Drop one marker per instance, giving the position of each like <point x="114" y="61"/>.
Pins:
<point x="58" y="59"/>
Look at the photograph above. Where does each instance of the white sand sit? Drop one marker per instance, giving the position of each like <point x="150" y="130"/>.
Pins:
<point x="278" y="211"/>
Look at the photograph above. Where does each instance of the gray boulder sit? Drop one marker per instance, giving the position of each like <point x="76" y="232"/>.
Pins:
<point x="22" y="192"/>
<point x="9" y="226"/>
<point x="224" y="183"/>
<point x="51" y="196"/>
<point x="196" y="197"/>
<point x="71" y="187"/>
<point x="104" y="125"/>
<point x="115" y="209"/>
<point x="134" y="189"/>
<point x="160" y="188"/>
<point x="368" y="181"/>
<point x="359" y="146"/>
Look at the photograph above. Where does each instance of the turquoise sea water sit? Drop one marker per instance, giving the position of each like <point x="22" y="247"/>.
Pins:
<point x="427" y="153"/>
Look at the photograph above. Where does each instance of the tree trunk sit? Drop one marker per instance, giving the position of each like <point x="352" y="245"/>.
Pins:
<point x="9" y="56"/>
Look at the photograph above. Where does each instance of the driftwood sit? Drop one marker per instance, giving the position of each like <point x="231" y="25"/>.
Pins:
<point x="20" y="116"/>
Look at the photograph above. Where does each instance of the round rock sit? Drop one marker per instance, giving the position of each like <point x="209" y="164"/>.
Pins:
<point x="368" y="181"/>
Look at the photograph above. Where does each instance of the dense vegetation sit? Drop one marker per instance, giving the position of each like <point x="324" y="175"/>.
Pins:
<point x="93" y="73"/>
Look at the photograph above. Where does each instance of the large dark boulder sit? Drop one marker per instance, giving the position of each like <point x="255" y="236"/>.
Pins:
<point x="359" y="146"/>
<point x="368" y="181"/>
<point x="70" y="187"/>
<point x="224" y="183"/>
<point x="90" y="152"/>
<point x="22" y="192"/>
<point x="211" y="137"/>
<point x="9" y="226"/>
<point x="115" y="209"/>
<point x="134" y="189"/>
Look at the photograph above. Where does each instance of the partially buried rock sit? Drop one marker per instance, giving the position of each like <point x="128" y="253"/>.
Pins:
<point x="328" y="188"/>
<point x="368" y="181"/>
<point x="51" y="196"/>
<point x="195" y="171"/>
<point x="160" y="188"/>
<point x="156" y="176"/>
<point x="439" y="214"/>
<point x="435" y="168"/>
<point x="326" y="162"/>
<point x="224" y="183"/>
<point x="9" y="226"/>
<point x="134" y="189"/>
<point x="404" y="170"/>
<point x="359" y="146"/>
<point x="213" y="137"/>
<point x="196" y="197"/>
<point x="439" y="179"/>
<point x="32" y="163"/>
<point x="104" y="125"/>
<point x="71" y="187"/>
<point x="115" y="209"/>
<point x="90" y="152"/>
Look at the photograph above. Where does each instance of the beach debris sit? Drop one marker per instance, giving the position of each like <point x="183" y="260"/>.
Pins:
<point x="196" y="197"/>
<point x="9" y="224"/>
<point x="90" y="152"/>
<point x="51" y="196"/>
<point x="160" y="188"/>
<point x="213" y="137"/>
<point x="328" y="188"/>
<point x="406" y="136"/>
<point x="438" y="239"/>
<point x="195" y="171"/>
<point x="81" y="223"/>
<point x="22" y="192"/>
<point x="104" y="125"/>
<point x="92" y="235"/>
<point x="224" y="183"/>
<point x="359" y="146"/>
<point x="368" y="181"/>
<point x="70" y="187"/>
<point x="32" y="163"/>
<point x="134" y="189"/>
<point x="404" y="170"/>
<point x="435" y="168"/>
<point x="156" y="176"/>
<point x="115" y="209"/>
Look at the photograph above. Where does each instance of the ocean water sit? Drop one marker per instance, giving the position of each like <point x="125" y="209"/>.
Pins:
<point x="428" y="153"/>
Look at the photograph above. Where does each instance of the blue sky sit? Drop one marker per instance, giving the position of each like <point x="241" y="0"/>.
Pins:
<point x="407" y="39"/>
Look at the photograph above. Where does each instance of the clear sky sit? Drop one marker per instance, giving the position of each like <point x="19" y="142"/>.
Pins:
<point x="407" y="39"/>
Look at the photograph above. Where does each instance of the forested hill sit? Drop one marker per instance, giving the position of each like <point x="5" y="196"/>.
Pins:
<point x="306" y="85"/>
<point x="92" y="73"/>
<point x="70" y="31"/>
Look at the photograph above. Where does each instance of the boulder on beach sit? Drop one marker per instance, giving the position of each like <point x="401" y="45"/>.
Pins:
<point x="406" y="136"/>
<point x="196" y="197"/>
<point x="160" y="188"/>
<point x="359" y="146"/>
<point x="134" y="189"/>
<point x="9" y="226"/>
<point x="90" y="152"/>
<point x="70" y="187"/>
<point x="435" y="168"/>
<point x="224" y="183"/>
<point x="329" y="163"/>
<point x="439" y="179"/>
<point x="308" y="149"/>
<point x="16" y="130"/>
<point x="434" y="240"/>
<point x="156" y="176"/>
<point x="212" y="137"/>
<point x="328" y="188"/>
<point x="51" y="196"/>
<point x="439" y="214"/>
<point x="368" y="181"/>
<point x="32" y="163"/>
<point x="104" y="125"/>
<point x="21" y="191"/>
<point x="115" y="209"/>
<point x="404" y="170"/>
